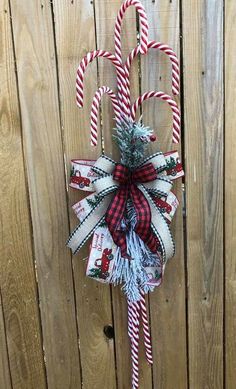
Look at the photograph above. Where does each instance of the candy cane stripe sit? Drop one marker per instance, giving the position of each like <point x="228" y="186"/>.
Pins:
<point x="146" y="330"/>
<point x="95" y="111"/>
<point x="133" y="324"/>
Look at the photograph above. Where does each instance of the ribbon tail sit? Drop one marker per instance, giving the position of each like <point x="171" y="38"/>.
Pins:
<point x="85" y="229"/>
<point x="114" y="216"/>
<point x="160" y="227"/>
<point x="143" y="215"/>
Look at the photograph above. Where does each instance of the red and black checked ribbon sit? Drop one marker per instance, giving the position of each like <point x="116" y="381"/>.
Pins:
<point x="128" y="181"/>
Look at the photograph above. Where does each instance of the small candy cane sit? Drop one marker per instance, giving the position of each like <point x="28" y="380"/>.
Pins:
<point x="121" y="81"/>
<point x="146" y="329"/>
<point x="95" y="110"/>
<point x="173" y="105"/>
<point x="173" y="58"/>
<point x="83" y="65"/>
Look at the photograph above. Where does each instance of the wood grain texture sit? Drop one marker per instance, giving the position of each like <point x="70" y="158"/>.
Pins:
<point x="52" y="317"/>
<point x="203" y="106"/>
<point x="167" y="303"/>
<point x="105" y="13"/>
<point x="5" y="375"/>
<point x="75" y="36"/>
<point x="38" y="94"/>
<point x="230" y="190"/>
<point x="17" y="278"/>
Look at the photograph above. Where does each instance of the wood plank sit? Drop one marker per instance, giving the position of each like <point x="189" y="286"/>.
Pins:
<point x="203" y="107"/>
<point x="36" y="67"/>
<point x="5" y="375"/>
<point x="167" y="303"/>
<point x="105" y="22"/>
<point x="230" y="188"/>
<point x="75" y="36"/>
<point x="17" y="278"/>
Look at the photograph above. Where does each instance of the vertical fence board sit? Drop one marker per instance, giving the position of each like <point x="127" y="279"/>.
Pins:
<point x="106" y="13"/>
<point x="75" y="36"/>
<point x="33" y="36"/>
<point x="203" y="92"/>
<point x="167" y="303"/>
<point x="230" y="190"/>
<point x="17" y="278"/>
<point x="5" y="375"/>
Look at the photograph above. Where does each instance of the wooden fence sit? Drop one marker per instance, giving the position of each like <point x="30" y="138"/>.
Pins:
<point x="52" y="318"/>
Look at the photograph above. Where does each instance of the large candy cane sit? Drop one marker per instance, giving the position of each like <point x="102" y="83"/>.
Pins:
<point x="95" y="111"/>
<point x="173" y="105"/>
<point x="83" y="65"/>
<point x="173" y="58"/>
<point x="121" y="81"/>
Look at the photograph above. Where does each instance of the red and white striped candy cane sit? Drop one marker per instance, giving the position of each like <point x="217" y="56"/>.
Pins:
<point x="121" y="81"/>
<point x="130" y="320"/>
<point x="170" y="101"/>
<point x="95" y="111"/>
<point x="146" y="329"/>
<point x="135" y="309"/>
<point x="83" y="65"/>
<point x="173" y="58"/>
<point x="135" y="313"/>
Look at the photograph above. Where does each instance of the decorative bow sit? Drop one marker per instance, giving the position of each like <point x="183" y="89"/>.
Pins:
<point x="146" y="180"/>
<point x="128" y="188"/>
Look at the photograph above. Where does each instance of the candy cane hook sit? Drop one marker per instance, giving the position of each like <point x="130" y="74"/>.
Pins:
<point x="173" y="58"/>
<point x="95" y="110"/>
<point x="121" y="81"/>
<point x="143" y="24"/>
<point x="82" y="68"/>
<point x="173" y="105"/>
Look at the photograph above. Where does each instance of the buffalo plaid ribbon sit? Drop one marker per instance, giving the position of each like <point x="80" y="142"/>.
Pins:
<point x="128" y="181"/>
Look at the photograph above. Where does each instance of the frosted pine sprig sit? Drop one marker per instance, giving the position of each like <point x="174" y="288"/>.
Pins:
<point x="132" y="139"/>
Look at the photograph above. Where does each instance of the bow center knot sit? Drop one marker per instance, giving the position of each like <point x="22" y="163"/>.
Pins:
<point x="124" y="175"/>
<point x="121" y="173"/>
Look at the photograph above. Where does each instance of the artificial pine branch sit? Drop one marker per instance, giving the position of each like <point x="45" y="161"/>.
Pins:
<point x="132" y="139"/>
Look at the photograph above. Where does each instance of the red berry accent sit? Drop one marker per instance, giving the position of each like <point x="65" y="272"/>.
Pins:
<point x="153" y="138"/>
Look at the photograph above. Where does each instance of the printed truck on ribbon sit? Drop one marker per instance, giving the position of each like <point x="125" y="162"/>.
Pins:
<point x="102" y="264"/>
<point x="101" y="257"/>
<point x="81" y="175"/>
